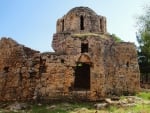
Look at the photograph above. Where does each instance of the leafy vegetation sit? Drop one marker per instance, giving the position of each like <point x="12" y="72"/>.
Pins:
<point x="116" y="38"/>
<point x="143" y="38"/>
<point x="144" y="95"/>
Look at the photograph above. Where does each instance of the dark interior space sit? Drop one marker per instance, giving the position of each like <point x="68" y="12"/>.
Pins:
<point x="101" y="27"/>
<point x="84" y="47"/>
<point x="81" y="23"/>
<point x="82" y="76"/>
<point x="63" y="25"/>
<point x="6" y="69"/>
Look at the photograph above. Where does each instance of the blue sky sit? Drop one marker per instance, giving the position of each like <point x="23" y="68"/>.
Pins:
<point x="33" y="22"/>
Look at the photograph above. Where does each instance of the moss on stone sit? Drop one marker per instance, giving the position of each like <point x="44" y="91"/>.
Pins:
<point x="85" y="35"/>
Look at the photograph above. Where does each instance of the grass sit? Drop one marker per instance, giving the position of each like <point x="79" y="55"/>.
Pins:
<point x="144" y="95"/>
<point x="59" y="108"/>
<point x="136" y="109"/>
<point x="141" y="108"/>
<point x="86" y="107"/>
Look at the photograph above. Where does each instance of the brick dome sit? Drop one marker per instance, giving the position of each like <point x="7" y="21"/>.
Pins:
<point x="81" y="20"/>
<point x="80" y="10"/>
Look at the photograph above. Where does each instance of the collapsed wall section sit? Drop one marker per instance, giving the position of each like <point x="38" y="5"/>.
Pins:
<point x="18" y="65"/>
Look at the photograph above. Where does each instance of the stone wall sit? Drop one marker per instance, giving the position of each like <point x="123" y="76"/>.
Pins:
<point x="122" y="69"/>
<point x="81" y="20"/>
<point x="26" y="74"/>
<point x="17" y="65"/>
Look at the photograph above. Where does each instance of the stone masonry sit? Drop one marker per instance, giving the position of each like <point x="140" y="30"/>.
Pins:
<point x="87" y="63"/>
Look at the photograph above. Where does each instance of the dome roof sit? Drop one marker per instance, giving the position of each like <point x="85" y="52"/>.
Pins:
<point x="79" y="10"/>
<point x="81" y="20"/>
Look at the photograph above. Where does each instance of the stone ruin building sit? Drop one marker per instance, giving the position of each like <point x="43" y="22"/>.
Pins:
<point x="87" y="63"/>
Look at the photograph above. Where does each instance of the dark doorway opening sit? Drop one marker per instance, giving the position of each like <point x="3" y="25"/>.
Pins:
<point x="82" y="76"/>
<point x="84" y="47"/>
<point x="81" y="23"/>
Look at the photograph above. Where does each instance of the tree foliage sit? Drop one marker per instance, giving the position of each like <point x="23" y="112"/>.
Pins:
<point x="116" y="38"/>
<point x="143" y="38"/>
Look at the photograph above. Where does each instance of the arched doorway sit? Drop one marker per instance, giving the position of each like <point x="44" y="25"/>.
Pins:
<point x="82" y="76"/>
<point x="82" y="73"/>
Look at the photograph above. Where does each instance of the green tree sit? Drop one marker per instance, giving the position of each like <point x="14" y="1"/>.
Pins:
<point x="143" y="38"/>
<point x="116" y="38"/>
<point x="143" y="34"/>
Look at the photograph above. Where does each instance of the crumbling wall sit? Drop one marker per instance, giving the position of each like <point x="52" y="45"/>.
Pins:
<point x="18" y="66"/>
<point x="122" y="71"/>
<point x="114" y="69"/>
<point x="26" y="74"/>
<point x="83" y="52"/>
<point x="56" y="79"/>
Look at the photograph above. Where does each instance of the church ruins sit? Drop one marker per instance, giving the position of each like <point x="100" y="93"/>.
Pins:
<point x="87" y="63"/>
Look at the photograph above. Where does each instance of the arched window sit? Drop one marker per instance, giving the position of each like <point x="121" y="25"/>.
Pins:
<point x="63" y="25"/>
<point x="101" y="26"/>
<point x="81" y="23"/>
<point x="127" y="64"/>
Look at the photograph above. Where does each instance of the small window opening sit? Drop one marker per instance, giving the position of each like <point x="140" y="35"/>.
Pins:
<point x="62" y="61"/>
<point x="63" y="25"/>
<point x="84" y="47"/>
<point x="101" y="27"/>
<point x="127" y="64"/>
<point x="6" y="69"/>
<point x="81" y="23"/>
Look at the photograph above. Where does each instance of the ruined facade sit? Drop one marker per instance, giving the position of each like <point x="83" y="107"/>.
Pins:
<point x="87" y="63"/>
